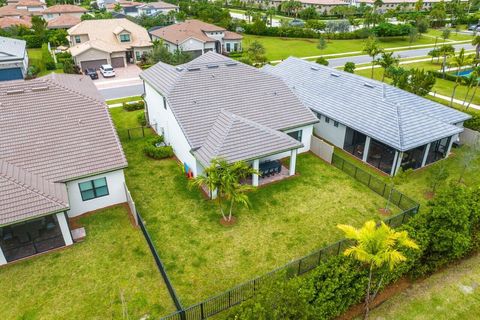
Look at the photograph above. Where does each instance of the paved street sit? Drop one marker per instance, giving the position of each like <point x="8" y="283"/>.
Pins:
<point x="125" y="90"/>
<point x="336" y="62"/>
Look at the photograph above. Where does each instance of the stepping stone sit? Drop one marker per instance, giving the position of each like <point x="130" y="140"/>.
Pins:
<point x="466" y="289"/>
<point x="79" y="234"/>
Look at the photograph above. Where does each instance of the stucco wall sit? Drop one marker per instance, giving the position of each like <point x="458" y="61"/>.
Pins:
<point x="92" y="54"/>
<point x="306" y="140"/>
<point x="328" y="131"/>
<point x="116" y="190"/>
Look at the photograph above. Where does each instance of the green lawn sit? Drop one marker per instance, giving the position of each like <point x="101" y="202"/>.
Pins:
<point x="453" y="35"/>
<point x="35" y="58"/>
<point x="86" y="280"/>
<point x="122" y="100"/>
<point x="452" y="293"/>
<point x="287" y="220"/>
<point x="281" y="48"/>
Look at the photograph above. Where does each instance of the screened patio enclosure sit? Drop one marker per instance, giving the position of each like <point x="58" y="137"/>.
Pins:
<point x="25" y="239"/>
<point x="354" y="142"/>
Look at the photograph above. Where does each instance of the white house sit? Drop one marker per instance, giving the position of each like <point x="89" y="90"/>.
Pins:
<point x="381" y="125"/>
<point x="198" y="37"/>
<point x="64" y="160"/>
<point x="158" y="7"/>
<point x="215" y="107"/>
<point x="13" y="59"/>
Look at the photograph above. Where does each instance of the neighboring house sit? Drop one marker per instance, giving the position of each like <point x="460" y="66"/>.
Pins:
<point x="135" y="9"/>
<point x="128" y="8"/>
<point x="102" y="4"/>
<point x="13" y="59"/>
<point x="321" y="6"/>
<point x="113" y="41"/>
<point x="63" y="9"/>
<point x="215" y="107"/>
<point x="198" y="37"/>
<point x="8" y="22"/>
<point x="65" y="21"/>
<point x="12" y="12"/>
<point x="381" y="125"/>
<point x="409" y="5"/>
<point x="51" y="170"/>
<point x="31" y="6"/>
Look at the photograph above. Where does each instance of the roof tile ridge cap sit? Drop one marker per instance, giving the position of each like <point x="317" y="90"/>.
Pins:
<point x="400" y="131"/>
<point x="260" y="126"/>
<point x="232" y="117"/>
<point x="30" y="188"/>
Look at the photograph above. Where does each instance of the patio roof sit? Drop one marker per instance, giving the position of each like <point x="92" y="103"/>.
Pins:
<point x="390" y="115"/>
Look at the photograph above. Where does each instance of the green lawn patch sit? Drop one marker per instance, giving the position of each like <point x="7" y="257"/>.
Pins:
<point x="287" y="219"/>
<point x="35" y="59"/>
<point x="86" y="281"/>
<point x="122" y="100"/>
<point x="452" y="293"/>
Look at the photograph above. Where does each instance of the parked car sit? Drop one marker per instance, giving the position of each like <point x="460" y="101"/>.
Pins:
<point x="107" y="71"/>
<point x="474" y="27"/>
<point x="92" y="73"/>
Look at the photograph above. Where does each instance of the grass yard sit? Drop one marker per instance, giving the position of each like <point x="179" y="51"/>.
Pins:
<point x="281" y="48"/>
<point x="453" y="293"/>
<point x="122" y="100"/>
<point x="35" y="58"/>
<point x="86" y="281"/>
<point x="287" y="220"/>
<point x="453" y="35"/>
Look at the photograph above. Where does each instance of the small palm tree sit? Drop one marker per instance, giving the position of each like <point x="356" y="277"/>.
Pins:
<point x="270" y="14"/>
<point x="388" y="60"/>
<point x="476" y="43"/>
<point x="476" y="75"/>
<point x="378" y="248"/>
<point x="460" y="61"/>
<point x="373" y="49"/>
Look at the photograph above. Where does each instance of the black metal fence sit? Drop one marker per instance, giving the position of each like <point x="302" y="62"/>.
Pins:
<point x="159" y="263"/>
<point x="246" y="290"/>
<point x="138" y="132"/>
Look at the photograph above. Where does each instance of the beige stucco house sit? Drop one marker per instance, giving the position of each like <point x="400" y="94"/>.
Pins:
<point x="108" y="41"/>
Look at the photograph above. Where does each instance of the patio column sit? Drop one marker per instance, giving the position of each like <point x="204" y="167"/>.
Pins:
<point x="366" y="149"/>
<point x="293" y="162"/>
<point x="63" y="224"/>
<point x="425" y="155"/>
<point x="256" y="166"/>
<point x="450" y="144"/>
<point x="397" y="162"/>
<point x="3" y="260"/>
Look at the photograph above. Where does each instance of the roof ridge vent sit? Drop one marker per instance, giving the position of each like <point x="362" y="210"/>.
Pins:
<point x="193" y="68"/>
<point x="179" y="68"/>
<point x="334" y="74"/>
<point x="231" y="63"/>
<point x="40" y="88"/>
<point x="314" y="68"/>
<point x="212" y="66"/>
<point x="15" y="91"/>
<point x="368" y="84"/>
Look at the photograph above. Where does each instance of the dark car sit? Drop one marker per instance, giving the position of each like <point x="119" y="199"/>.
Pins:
<point x="92" y="73"/>
<point x="473" y="27"/>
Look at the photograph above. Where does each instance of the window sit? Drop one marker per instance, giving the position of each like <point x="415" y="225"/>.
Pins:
<point x="124" y="38"/>
<point x="319" y="115"/>
<point x="228" y="47"/>
<point x="297" y="135"/>
<point x="335" y="123"/>
<point x="77" y="39"/>
<point x="138" y="56"/>
<point x="327" y="120"/>
<point x="93" y="189"/>
<point x="235" y="47"/>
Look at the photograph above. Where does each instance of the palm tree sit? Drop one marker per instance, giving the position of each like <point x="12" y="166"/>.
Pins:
<point x="386" y="61"/>
<point x="270" y="14"/>
<point x="476" y="75"/>
<point x="372" y="48"/>
<point x="460" y="61"/>
<point x="376" y="247"/>
<point x="446" y="51"/>
<point x="476" y="43"/>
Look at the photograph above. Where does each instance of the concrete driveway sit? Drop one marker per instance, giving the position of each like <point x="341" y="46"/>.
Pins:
<point x="126" y="76"/>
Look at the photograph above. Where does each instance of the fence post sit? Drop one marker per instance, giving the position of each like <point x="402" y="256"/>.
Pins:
<point x="384" y="187"/>
<point x="319" y="257"/>
<point x="343" y="164"/>
<point x="129" y="137"/>
<point x="403" y="218"/>
<point x="201" y="310"/>
<point x="339" y="246"/>
<point x="143" y="132"/>
<point x="299" y="267"/>
<point x="369" y="180"/>
<point x="229" y="298"/>
<point x="355" y="174"/>
<point x="183" y="316"/>
<point x="400" y="200"/>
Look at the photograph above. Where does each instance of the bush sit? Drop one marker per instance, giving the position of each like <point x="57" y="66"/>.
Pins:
<point x="349" y="67"/>
<point x="474" y="122"/>
<point x="133" y="105"/>
<point x="47" y="58"/>
<point x="155" y="152"/>
<point x="141" y="119"/>
<point x="33" y="41"/>
<point x="32" y="71"/>
<point x="322" y="61"/>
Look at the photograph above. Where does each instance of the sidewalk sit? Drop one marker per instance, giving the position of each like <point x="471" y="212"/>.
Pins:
<point x="460" y="102"/>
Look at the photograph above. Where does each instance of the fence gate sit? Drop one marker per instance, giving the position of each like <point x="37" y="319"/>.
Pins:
<point x="322" y="149"/>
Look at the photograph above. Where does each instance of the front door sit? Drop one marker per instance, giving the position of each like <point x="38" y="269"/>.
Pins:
<point x="129" y="56"/>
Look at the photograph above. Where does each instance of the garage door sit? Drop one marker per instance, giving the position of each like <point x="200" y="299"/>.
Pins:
<point x="93" y="63"/>
<point x="118" y="62"/>
<point x="11" y="74"/>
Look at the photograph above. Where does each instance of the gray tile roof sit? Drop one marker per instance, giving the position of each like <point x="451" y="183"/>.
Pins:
<point x="234" y="138"/>
<point x="395" y="117"/>
<point x="198" y="91"/>
<point x="12" y="49"/>
<point x="23" y="194"/>
<point x="53" y="129"/>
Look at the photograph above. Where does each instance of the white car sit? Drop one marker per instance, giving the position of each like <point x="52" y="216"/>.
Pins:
<point x="107" y="71"/>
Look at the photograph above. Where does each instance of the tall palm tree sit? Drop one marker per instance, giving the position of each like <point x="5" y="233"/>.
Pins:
<point x="476" y="43"/>
<point x="476" y="75"/>
<point x="460" y="61"/>
<point x="377" y="248"/>
<point x="446" y="51"/>
<point x="386" y="61"/>
<point x="373" y="49"/>
<point x="270" y="13"/>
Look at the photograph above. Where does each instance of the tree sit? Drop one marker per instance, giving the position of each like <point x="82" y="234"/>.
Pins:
<point x="416" y="81"/>
<point x="39" y="26"/>
<point x="467" y="160"/>
<point x="460" y="61"/>
<point x="349" y="67"/>
<point x="386" y="61"/>
<point x="322" y="61"/>
<point x="373" y="49"/>
<point x="413" y="35"/>
<point x="291" y="7"/>
<point x="476" y="75"/>
<point x="446" y="34"/>
<point x="322" y="43"/>
<point x="476" y="43"/>
<point x="256" y="52"/>
<point x="380" y="249"/>
<point x="309" y="13"/>
<point x="419" y="5"/>
<point x="270" y="13"/>
<point x="117" y="7"/>
<point x="161" y="53"/>
<point x="446" y="51"/>
<point x="438" y="174"/>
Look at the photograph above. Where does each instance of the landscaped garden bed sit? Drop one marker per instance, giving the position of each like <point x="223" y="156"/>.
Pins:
<point x="110" y="274"/>
<point x="287" y="219"/>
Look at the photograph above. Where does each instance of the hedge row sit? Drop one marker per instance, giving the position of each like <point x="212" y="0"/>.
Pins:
<point x="160" y="152"/>
<point x="133" y="105"/>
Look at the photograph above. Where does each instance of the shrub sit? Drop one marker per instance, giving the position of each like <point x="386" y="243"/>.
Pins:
<point x="349" y="67"/>
<point x="322" y="61"/>
<point x="141" y="119"/>
<point x="33" y="41"/>
<point x="474" y="122"/>
<point x="47" y="58"/>
<point x="133" y="105"/>
<point x="155" y="152"/>
<point x="32" y="71"/>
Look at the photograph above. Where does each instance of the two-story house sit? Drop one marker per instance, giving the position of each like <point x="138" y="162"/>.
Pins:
<point x="108" y="41"/>
<point x="135" y="9"/>
<point x="197" y="37"/>
<point x="13" y="59"/>
<point x="63" y="16"/>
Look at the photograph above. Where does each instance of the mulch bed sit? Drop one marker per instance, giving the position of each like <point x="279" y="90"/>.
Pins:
<point x="228" y="223"/>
